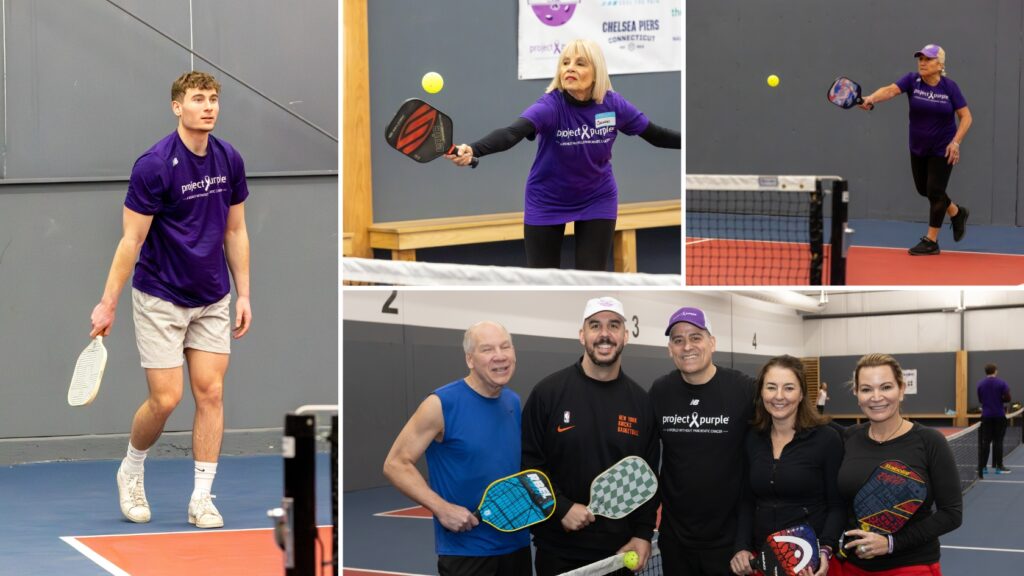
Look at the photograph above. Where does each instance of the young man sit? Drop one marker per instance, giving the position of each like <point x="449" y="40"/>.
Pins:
<point x="992" y="393"/>
<point x="578" y="422"/>
<point x="470" y="431"/>
<point x="701" y="412"/>
<point x="184" y="213"/>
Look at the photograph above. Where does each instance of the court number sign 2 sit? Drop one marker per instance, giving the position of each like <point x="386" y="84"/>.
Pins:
<point x="386" y="308"/>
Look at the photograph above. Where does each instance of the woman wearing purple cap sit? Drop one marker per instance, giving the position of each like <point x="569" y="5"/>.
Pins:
<point x="935" y="104"/>
<point x="571" y="179"/>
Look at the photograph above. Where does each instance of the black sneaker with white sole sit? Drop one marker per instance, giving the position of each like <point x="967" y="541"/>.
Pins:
<point x="925" y="247"/>
<point x="959" y="223"/>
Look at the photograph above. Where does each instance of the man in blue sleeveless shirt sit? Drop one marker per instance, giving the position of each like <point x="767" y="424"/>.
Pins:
<point x="184" y="222"/>
<point x="470" y="432"/>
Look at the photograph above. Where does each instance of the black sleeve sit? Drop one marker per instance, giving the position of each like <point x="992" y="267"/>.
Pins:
<point x="504" y="138"/>
<point x="660" y="137"/>
<point x="745" y="506"/>
<point x="836" y="518"/>
<point x="945" y="485"/>
<point x="645" y="518"/>
<point x="534" y="420"/>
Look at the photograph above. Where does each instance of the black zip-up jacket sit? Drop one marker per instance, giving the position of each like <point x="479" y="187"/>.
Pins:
<point x="575" y="427"/>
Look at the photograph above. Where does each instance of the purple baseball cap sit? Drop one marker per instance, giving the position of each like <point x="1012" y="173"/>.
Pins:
<point x="693" y="316"/>
<point x="931" y="51"/>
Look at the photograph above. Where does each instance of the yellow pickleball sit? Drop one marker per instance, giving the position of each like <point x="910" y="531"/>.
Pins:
<point x="773" y="80"/>
<point x="432" y="82"/>
<point x="631" y="560"/>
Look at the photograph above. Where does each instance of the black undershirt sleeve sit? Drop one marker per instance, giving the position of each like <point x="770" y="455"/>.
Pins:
<point x="504" y="138"/>
<point x="660" y="137"/>
<point x="945" y="486"/>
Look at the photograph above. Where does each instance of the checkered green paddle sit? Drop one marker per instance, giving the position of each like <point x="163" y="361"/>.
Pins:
<point x="623" y="488"/>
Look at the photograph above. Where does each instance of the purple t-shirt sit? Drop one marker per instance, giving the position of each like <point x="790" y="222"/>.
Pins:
<point x="182" y="260"/>
<point x="932" y="113"/>
<point x="571" y="177"/>
<point x="992" y="392"/>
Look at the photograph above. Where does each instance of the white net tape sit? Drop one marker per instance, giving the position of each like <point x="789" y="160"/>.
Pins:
<point x="401" y="273"/>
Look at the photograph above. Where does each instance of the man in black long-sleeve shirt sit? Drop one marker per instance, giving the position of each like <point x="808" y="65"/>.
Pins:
<point x="702" y="412"/>
<point x="576" y="423"/>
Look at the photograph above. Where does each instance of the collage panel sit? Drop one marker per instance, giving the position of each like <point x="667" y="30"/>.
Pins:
<point x="858" y="144"/>
<point x="785" y="431"/>
<point x="530" y="137"/>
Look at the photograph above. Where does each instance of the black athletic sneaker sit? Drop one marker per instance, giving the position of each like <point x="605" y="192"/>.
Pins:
<point x="925" y="248"/>
<point x="959" y="223"/>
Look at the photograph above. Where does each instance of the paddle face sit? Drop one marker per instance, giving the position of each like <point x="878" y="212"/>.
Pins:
<point x="420" y="131"/>
<point x="787" y="552"/>
<point x="622" y="488"/>
<point x="517" y="501"/>
<point x="85" y="381"/>
<point x="889" y="498"/>
<point x="845" y="93"/>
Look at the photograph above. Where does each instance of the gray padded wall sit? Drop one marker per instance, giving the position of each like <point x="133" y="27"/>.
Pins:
<point x="481" y="93"/>
<point x="389" y="369"/>
<point x="936" y="382"/>
<point x="88" y="90"/>
<point x="737" y="124"/>
<point x="88" y="87"/>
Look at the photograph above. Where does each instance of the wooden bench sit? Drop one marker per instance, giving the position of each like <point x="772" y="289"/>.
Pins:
<point x="405" y="237"/>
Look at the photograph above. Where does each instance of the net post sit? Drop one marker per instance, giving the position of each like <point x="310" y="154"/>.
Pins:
<point x="334" y="491"/>
<point x="840" y="217"/>
<point x="816" y="233"/>
<point x="299" y="447"/>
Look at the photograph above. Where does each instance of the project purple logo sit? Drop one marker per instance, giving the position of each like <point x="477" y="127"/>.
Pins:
<point x="553" y="12"/>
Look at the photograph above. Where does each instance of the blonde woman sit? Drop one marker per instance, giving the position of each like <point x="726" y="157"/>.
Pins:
<point x="936" y="104"/>
<point x="575" y="123"/>
<point x="887" y="435"/>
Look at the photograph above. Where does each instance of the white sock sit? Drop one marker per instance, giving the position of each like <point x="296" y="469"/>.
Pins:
<point x="135" y="459"/>
<point x="205" y="472"/>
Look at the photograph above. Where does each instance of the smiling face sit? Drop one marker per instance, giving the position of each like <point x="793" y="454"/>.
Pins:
<point x="781" y="393"/>
<point x="691" y="349"/>
<point x="577" y="74"/>
<point x="879" y="393"/>
<point x="492" y="358"/>
<point x="603" y="336"/>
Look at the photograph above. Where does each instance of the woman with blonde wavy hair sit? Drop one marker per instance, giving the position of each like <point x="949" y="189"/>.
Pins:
<point x="575" y="123"/>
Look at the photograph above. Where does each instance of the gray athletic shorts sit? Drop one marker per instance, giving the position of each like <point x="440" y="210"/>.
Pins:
<point x="163" y="329"/>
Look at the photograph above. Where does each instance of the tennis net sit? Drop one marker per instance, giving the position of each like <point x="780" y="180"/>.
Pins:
<point x="965" y="447"/>
<point x="765" y="230"/>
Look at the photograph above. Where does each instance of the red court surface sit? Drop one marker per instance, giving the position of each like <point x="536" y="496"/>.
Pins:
<point x="221" y="552"/>
<point x="744" y="262"/>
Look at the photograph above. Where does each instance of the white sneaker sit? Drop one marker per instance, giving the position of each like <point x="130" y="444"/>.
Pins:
<point x="132" y="494"/>
<point x="203" y="513"/>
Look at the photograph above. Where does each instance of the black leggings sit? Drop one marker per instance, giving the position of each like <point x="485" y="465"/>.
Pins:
<point x="931" y="175"/>
<point x="593" y="244"/>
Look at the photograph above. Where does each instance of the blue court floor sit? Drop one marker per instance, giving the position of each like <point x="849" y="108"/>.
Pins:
<point x="42" y="502"/>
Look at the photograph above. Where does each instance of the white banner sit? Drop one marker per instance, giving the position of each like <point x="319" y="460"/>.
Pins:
<point x="636" y="35"/>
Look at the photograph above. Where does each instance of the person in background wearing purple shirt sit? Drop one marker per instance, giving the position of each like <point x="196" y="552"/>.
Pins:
<point x="992" y="392"/>
<point x="935" y="104"/>
<point x="184" y="222"/>
<point x="575" y="123"/>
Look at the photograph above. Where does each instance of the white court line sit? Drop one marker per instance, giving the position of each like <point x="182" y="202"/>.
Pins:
<point x="1001" y="481"/>
<point x="395" y="513"/>
<point x="381" y="571"/>
<point x="94" y="556"/>
<point x="984" y="549"/>
<point x="196" y="531"/>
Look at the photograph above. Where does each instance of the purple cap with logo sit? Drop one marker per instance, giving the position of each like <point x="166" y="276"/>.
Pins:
<point x="929" y="51"/>
<point x="693" y="316"/>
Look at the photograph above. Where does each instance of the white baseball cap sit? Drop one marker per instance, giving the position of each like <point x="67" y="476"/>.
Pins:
<point x="604" y="303"/>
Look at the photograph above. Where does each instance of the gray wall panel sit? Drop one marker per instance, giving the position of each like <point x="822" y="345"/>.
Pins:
<point x="1011" y="369"/>
<point x="936" y="382"/>
<point x="736" y="124"/>
<point x="88" y="87"/>
<point x="481" y="93"/>
<point x="56" y="244"/>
